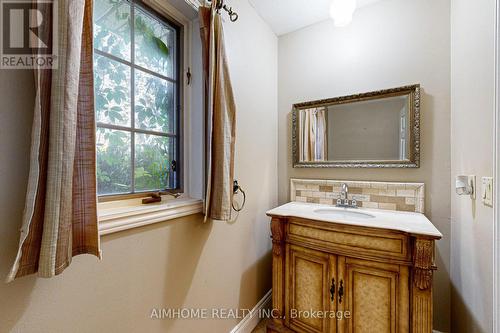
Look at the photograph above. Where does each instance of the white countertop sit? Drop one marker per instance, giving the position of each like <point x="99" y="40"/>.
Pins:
<point x="412" y="223"/>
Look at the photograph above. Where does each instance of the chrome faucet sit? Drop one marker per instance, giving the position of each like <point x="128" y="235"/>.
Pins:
<point x="344" y="201"/>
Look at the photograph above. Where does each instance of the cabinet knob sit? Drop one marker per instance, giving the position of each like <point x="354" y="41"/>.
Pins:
<point x="332" y="290"/>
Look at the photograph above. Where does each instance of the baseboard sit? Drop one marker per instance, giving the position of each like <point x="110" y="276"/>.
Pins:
<point x="251" y="320"/>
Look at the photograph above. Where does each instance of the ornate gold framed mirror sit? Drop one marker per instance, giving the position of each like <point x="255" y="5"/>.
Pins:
<point x="379" y="129"/>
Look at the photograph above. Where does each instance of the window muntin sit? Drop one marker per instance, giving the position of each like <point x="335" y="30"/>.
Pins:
<point x="137" y="89"/>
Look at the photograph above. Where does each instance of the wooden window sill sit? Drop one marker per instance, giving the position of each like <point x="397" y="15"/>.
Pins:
<point x="127" y="214"/>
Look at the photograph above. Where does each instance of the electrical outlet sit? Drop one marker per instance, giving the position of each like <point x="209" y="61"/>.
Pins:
<point x="487" y="191"/>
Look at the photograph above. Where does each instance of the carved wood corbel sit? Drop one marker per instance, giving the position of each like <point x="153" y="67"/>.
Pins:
<point x="423" y="263"/>
<point x="278" y="236"/>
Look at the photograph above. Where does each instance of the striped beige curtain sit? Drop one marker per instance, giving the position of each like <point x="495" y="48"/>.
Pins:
<point x="313" y="135"/>
<point x="321" y="150"/>
<point x="220" y="117"/>
<point x="60" y="215"/>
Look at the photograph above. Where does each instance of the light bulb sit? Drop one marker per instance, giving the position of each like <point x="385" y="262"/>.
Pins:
<point x="341" y="12"/>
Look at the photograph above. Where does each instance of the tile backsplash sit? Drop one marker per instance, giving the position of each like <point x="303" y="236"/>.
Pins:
<point x="380" y="195"/>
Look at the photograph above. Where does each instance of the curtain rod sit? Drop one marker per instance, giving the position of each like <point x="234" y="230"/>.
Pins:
<point x="233" y="16"/>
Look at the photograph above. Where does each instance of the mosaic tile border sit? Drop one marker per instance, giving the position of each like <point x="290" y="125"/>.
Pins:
<point x="407" y="197"/>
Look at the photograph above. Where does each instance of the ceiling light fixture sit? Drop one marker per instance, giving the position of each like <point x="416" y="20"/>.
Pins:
<point x="341" y="12"/>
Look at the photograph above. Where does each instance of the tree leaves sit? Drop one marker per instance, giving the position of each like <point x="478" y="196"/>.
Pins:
<point x="147" y="32"/>
<point x="154" y="99"/>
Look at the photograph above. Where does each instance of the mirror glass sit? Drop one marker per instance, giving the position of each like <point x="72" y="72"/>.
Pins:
<point x="366" y="130"/>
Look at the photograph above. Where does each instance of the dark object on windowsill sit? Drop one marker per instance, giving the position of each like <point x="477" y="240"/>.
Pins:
<point x="156" y="197"/>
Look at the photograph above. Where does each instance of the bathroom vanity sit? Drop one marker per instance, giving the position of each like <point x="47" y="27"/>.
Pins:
<point x="351" y="270"/>
<point x="354" y="256"/>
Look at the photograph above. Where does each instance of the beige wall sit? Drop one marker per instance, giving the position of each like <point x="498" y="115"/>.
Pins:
<point x="389" y="44"/>
<point x="472" y="112"/>
<point x="182" y="263"/>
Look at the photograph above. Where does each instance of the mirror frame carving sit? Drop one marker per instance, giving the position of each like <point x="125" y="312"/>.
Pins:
<point x="413" y="91"/>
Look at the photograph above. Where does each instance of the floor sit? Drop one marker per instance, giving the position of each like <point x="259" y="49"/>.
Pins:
<point x="261" y="328"/>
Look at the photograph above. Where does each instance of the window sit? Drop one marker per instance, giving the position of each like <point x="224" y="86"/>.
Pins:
<point x="137" y="98"/>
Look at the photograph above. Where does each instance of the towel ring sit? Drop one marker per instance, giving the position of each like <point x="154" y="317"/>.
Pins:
<point x="237" y="188"/>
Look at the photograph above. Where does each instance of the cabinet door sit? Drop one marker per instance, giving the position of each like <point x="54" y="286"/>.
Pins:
<point x="375" y="294"/>
<point x="309" y="277"/>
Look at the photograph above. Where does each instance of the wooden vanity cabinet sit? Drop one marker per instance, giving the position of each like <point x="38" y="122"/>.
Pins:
<point x="377" y="296"/>
<point x="330" y="278"/>
<point x="308" y="275"/>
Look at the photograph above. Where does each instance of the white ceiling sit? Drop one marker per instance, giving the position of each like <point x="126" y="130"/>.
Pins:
<point x="285" y="16"/>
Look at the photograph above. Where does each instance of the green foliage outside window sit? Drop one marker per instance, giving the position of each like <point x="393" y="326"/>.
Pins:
<point x="148" y="65"/>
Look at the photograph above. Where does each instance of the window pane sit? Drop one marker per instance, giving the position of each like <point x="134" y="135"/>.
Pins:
<point x="154" y="103"/>
<point x="112" y="27"/>
<point x="153" y="160"/>
<point x="112" y="91"/>
<point x="154" y="44"/>
<point x="113" y="162"/>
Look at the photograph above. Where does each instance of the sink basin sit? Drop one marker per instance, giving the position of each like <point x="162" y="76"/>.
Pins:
<point x="343" y="213"/>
